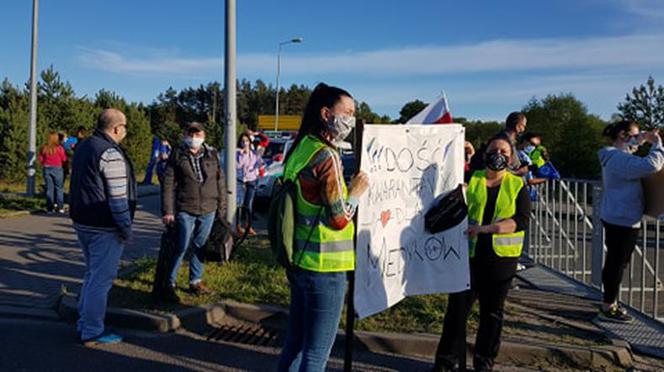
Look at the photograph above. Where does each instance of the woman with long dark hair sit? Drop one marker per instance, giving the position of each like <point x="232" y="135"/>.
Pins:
<point x="52" y="158"/>
<point x="622" y="204"/>
<point x="248" y="165"/>
<point x="324" y="229"/>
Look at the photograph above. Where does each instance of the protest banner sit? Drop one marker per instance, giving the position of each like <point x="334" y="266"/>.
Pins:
<point x="409" y="168"/>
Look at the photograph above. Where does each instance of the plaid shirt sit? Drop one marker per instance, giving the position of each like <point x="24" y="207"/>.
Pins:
<point x="321" y="182"/>
<point x="195" y="160"/>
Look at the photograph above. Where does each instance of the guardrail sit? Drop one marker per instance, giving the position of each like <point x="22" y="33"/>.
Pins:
<point x="567" y="235"/>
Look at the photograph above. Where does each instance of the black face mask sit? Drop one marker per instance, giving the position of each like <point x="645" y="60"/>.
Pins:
<point x="496" y="161"/>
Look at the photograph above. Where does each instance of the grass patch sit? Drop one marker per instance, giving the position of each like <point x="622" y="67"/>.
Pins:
<point x="19" y="186"/>
<point x="13" y="203"/>
<point x="13" y="200"/>
<point x="254" y="277"/>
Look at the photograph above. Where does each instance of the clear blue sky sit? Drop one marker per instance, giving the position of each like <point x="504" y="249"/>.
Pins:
<point x="490" y="57"/>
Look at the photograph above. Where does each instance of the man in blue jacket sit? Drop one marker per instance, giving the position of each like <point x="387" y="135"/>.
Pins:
<point x="102" y="205"/>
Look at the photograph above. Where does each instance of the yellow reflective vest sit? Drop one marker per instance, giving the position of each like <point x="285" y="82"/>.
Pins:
<point x="318" y="247"/>
<point x="537" y="156"/>
<point x="504" y="245"/>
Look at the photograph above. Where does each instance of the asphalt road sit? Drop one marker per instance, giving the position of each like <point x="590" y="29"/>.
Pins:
<point x="37" y="345"/>
<point x="39" y="254"/>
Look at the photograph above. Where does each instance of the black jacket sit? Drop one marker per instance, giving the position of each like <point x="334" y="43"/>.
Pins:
<point x="181" y="191"/>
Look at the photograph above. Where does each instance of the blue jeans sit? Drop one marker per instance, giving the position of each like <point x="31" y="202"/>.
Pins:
<point x="315" y="310"/>
<point x="245" y="197"/>
<point x="55" y="179"/>
<point x="196" y="230"/>
<point x="102" y="252"/>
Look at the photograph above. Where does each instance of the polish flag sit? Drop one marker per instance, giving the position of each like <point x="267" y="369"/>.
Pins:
<point x="435" y="113"/>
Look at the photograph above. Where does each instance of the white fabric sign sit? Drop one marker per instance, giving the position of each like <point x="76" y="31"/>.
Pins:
<point x="409" y="168"/>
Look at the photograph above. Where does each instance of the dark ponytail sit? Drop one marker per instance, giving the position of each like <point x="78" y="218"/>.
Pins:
<point x="323" y="95"/>
<point x="613" y="130"/>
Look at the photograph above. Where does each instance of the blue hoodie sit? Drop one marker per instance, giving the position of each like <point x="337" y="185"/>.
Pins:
<point x="622" y="201"/>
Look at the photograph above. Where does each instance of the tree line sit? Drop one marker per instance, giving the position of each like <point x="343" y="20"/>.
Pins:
<point x="570" y="132"/>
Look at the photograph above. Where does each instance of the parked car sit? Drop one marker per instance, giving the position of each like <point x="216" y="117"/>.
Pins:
<point x="274" y="165"/>
<point x="273" y="158"/>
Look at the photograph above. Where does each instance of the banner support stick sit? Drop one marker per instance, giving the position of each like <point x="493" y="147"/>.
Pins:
<point x="350" y="304"/>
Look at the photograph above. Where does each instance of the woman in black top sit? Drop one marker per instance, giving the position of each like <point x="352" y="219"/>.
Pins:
<point x="490" y="273"/>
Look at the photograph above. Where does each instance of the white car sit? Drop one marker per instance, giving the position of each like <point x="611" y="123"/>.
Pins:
<point x="274" y="164"/>
<point x="273" y="159"/>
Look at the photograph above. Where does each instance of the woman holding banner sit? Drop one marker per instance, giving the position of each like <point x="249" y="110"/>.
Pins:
<point x="623" y="204"/>
<point x="498" y="212"/>
<point x="324" y="229"/>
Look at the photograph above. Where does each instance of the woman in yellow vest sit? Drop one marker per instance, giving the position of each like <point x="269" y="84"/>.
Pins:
<point x="498" y="212"/>
<point x="324" y="229"/>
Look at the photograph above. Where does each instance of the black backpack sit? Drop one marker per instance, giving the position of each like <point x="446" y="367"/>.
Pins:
<point x="220" y="244"/>
<point x="165" y="260"/>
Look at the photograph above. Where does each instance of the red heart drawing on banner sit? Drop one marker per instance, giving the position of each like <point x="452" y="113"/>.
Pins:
<point x="385" y="217"/>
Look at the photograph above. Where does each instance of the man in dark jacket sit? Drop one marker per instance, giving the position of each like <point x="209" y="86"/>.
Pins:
<point x="194" y="190"/>
<point x="102" y="204"/>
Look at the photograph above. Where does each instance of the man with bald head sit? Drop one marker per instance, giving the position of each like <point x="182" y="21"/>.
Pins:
<point x="102" y="204"/>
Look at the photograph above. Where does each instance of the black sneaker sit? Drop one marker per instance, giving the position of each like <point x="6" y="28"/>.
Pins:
<point x="167" y="294"/>
<point x="615" y="314"/>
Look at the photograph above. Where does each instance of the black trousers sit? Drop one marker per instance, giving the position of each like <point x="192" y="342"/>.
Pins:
<point x="490" y="283"/>
<point x="620" y="243"/>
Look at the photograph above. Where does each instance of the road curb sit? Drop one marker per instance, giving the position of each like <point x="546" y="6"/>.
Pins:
<point x="125" y="318"/>
<point x="424" y="345"/>
<point x="198" y="319"/>
<point x="8" y="311"/>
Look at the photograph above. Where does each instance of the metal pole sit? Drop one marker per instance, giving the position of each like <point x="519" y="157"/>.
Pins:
<point x="655" y="283"/>
<point x="644" y="252"/>
<point x="32" y="142"/>
<point x="585" y="231"/>
<point x="350" y="323"/>
<point x="276" y="104"/>
<point x="597" y="244"/>
<point x="230" y="111"/>
<point x="350" y="304"/>
<point x="576" y="229"/>
<point x="276" y="108"/>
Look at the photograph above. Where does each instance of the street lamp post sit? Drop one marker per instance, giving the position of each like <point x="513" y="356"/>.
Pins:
<point x="276" y="109"/>
<point x="230" y="101"/>
<point x="32" y="136"/>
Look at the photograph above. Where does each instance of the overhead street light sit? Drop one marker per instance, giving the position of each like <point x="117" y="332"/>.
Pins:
<point x="296" y="40"/>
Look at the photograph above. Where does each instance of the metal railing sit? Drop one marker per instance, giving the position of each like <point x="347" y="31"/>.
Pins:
<point x="567" y="235"/>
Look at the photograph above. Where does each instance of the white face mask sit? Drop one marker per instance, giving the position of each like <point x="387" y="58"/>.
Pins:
<point x="194" y="143"/>
<point x="632" y="144"/>
<point x="340" y="127"/>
